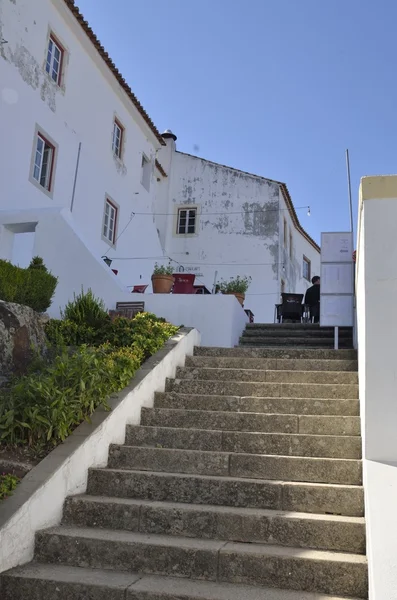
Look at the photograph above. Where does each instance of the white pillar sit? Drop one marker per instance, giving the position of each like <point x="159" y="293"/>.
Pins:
<point x="377" y="346"/>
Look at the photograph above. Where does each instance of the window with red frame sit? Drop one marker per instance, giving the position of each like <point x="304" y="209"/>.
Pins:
<point x="54" y="62"/>
<point x="110" y="221"/>
<point x="43" y="162"/>
<point x="117" y="139"/>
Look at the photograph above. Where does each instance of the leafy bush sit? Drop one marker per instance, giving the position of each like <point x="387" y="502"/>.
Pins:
<point x="38" y="263"/>
<point x="86" y="310"/>
<point x="34" y="286"/>
<point x="45" y="406"/>
<point x="235" y="285"/>
<point x="145" y="332"/>
<point x="8" y="483"/>
<point x="163" y="269"/>
<point x="68" y="333"/>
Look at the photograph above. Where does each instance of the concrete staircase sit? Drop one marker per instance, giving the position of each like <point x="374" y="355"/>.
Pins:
<point x="295" y="335"/>
<point x="242" y="483"/>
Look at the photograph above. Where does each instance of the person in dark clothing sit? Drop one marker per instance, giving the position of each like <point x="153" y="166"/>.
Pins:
<point x="312" y="299"/>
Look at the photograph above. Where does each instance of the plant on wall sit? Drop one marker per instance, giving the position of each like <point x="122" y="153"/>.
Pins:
<point x="235" y="285"/>
<point x="163" y="269"/>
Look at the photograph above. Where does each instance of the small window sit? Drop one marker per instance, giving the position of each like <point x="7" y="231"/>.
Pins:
<point x="146" y="172"/>
<point x="117" y="139"/>
<point x="285" y="233"/>
<point x="306" y="268"/>
<point x="54" y="61"/>
<point x="282" y="286"/>
<point x="290" y="245"/>
<point x="110" y="222"/>
<point x="186" y="221"/>
<point x="43" y="165"/>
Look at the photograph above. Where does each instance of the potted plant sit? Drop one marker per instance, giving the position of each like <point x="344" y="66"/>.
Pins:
<point x="162" y="279"/>
<point x="236" y="286"/>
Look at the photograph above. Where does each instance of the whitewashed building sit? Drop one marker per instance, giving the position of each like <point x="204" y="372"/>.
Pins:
<point x="86" y="168"/>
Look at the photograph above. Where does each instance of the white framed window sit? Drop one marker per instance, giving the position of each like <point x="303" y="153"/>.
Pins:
<point x="43" y="161"/>
<point x="110" y="217"/>
<point x="146" y="172"/>
<point x="187" y="221"/>
<point x="307" y="266"/>
<point x="117" y="138"/>
<point x="54" y="60"/>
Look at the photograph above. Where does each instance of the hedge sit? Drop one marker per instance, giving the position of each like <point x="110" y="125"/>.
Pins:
<point x="34" y="286"/>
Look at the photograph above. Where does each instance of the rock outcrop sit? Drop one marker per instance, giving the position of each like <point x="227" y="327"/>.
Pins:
<point x="21" y="335"/>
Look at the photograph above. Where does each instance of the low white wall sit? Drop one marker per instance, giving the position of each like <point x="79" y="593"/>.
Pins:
<point x="64" y="471"/>
<point x="377" y="336"/>
<point x="219" y="318"/>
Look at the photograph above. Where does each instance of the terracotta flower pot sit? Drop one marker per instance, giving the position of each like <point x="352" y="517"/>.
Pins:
<point x="240" y="297"/>
<point x="162" y="284"/>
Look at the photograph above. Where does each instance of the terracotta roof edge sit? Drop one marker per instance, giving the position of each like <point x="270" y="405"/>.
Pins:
<point x="112" y="67"/>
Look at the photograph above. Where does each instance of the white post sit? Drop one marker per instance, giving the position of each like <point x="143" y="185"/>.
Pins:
<point x="336" y="346"/>
<point x="377" y="339"/>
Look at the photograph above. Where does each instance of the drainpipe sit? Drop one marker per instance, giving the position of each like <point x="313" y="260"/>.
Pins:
<point x="75" y="177"/>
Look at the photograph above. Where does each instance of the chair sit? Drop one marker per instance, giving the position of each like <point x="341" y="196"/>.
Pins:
<point x="291" y="308"/>
<point x="127" y="309"/>
<point x="139" y="289"/>
<point x="250" y="314"/>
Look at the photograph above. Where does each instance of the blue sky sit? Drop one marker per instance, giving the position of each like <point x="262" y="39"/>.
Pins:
<point x="279" y="88"/>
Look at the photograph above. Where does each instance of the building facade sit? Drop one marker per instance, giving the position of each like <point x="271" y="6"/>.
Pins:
<point x="79" y="139"/>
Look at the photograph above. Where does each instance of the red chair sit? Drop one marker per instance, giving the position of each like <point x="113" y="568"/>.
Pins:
<point x="139" y="289"/>
<point x="183" y="283"/>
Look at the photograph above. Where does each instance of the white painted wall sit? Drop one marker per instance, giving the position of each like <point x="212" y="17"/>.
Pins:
<point x="219" y="319"/>
<point x="237" y="231"/>
<point x="82" y="111"/>
<point x="291" y="265"/>
<point x="377" y="335"/>
<point x="44" y="508"/>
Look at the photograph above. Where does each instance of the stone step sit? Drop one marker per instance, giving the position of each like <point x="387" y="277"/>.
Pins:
<point x="37" y="581"/>
<point x="210" y="560"/>
<point x="344" y="500"/>
<point x="247" y="388"/>
<point x="58" y="582"/>
<point x="271" y="363"/>
<point x="255" y="422"/>
<point x="308" y="333"/>
<point x="293" y="342"/>
<point x="300" y="326"/>
<point x="320" y="532"/>
<point x="321" y="446"/>
<point x="283" y="353"/>
<point x="233" y="464"/>
<point x="310" y="406"/>
<point x="270" y="376"/>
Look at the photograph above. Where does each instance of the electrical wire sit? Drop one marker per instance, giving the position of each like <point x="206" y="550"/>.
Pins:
<point x="245" y="212"/>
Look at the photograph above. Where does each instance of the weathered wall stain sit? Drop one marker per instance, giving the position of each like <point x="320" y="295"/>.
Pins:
<point x="120" y="166"/>
<point x="30" y="70"/>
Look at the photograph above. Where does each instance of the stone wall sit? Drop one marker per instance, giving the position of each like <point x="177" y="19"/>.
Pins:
<point x="21" y="334"/>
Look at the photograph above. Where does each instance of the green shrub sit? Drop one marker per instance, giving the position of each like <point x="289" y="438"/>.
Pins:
<point x="145" y="332"/>
<point x="44" y="407"/>
<point x="8" y="483"/>
<point x="69" y="333"/>
<point x="34" y="286"/>
<point x="38" y="263"/>
<point x="87" y="310"/>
